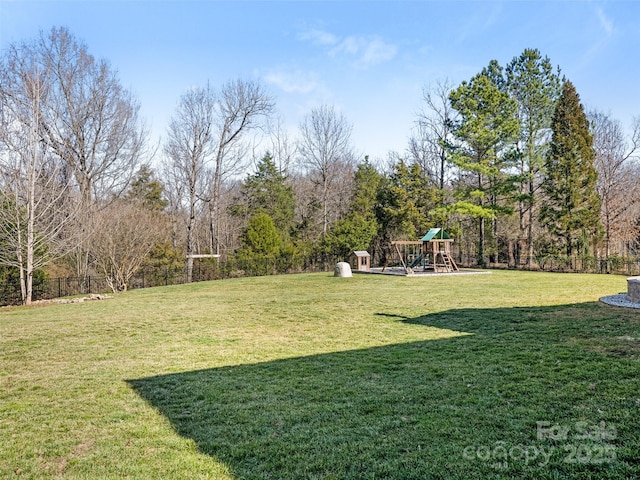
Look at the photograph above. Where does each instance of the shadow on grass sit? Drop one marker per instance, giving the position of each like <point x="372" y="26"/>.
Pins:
<point x="464" y="407"/>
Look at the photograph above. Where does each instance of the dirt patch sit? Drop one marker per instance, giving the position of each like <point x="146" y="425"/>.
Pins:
<point x="82" y="449"/>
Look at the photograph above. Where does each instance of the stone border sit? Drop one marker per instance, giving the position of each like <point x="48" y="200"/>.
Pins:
<point x="620" y="300"/>
<point x="58" y="301"/>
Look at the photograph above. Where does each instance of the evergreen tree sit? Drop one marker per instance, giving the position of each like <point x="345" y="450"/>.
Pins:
<point x="147" y="189"/>
<point x="268" y="191"/>
<point x="535" y="86"/>
<point x="487" y="126"/>
<point x="572" y="205"/>
<point x="261" y="237"/>
<point x="359" y="227"/>
<point x="365" y="189"/>
<point x="404" y="202"/>
<point x="262" y="246"/>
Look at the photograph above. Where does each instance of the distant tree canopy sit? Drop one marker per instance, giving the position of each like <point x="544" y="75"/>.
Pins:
<point x="506" y="160"/>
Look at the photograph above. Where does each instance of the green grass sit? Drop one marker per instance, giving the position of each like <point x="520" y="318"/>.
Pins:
<point x="310" y="376"/>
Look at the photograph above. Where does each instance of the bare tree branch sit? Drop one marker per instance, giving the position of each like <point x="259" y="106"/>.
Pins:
<point x="89" y="120"/>
<point x="242" y="106"/>
<point x="324" y="147"/>
<point x="129" y="233"/>
<point x="427" y="146"/>
<point x="618" y="177"/>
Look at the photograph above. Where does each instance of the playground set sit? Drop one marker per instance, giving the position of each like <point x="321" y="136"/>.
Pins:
<point x="431" y="253"/>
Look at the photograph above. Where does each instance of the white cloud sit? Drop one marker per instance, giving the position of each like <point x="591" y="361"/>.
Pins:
<point x="605" y="22"/>
<point x="319" y="37"/>
<point x="377" y="51"/>
<point x="350" y="46"/>
<point x="296" y="81"/>
<point x="602" y="37"/>
<point x="364" y="51"/>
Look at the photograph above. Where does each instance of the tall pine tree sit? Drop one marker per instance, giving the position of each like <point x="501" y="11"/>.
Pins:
<point x="486" y="128"/>
<point x="535" y="85"/>
<point x="571" y="209"/>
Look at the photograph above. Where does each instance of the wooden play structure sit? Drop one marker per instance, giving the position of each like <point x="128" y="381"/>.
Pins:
<point x="432" y="252"/>
<point x="436" y="244"/>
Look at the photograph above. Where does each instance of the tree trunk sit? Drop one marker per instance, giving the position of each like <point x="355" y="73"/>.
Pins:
<point x="481" y="241"/>
<point x="443" y="164"/>
<point x="31" y="200"/>
<point x="189" y="269"/>
<point x="30" y="253"/>
<point x="21" y="268"/>
<point x="530" y="226"/>
<point x="214" y="204"/>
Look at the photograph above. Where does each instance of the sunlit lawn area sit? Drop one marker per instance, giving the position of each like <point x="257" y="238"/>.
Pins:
<point x="506" y="375"/>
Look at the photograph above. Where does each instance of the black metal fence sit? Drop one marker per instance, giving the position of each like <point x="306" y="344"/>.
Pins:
<point x="153" y="277"/>
<point x="615" y="265"/>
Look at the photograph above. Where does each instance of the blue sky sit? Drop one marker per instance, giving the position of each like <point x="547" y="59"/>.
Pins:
<point x="370" y="59"/>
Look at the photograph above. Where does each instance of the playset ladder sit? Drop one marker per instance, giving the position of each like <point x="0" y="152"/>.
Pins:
<point x="448" y="264"/>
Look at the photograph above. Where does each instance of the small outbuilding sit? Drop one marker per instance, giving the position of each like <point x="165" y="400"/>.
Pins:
<point x="360" y="261"/>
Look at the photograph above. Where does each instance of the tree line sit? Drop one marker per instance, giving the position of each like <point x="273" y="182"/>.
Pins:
<point x="508" y="162"/>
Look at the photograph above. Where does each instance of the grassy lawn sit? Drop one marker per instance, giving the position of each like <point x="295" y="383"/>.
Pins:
<point x="507" y="375"/>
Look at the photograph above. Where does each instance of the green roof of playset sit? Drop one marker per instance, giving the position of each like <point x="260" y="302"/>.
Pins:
<point x="436" y="234"/>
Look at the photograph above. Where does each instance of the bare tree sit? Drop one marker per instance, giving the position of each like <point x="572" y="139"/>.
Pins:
<point x="283" y="150"/>
<point x="205" y="147"/>
<point x="129" y="233"/>
<point x="325" y="148"/>
<point x="427" y="145"/>
<point x="87" y="120"/>
<point x="618" y="176"/>
<point x="35" y="206"/>
<point x="241" y="105"/>
<point x="90" y="121"/>
<point x="189" y="148"/>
